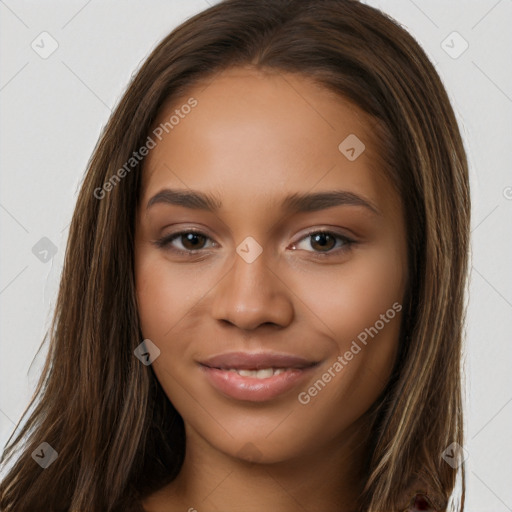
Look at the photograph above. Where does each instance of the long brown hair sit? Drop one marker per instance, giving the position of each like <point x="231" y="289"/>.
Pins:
<point x="117" y="435"/>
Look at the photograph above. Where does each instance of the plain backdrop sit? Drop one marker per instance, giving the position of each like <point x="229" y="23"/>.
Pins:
<point x="53" y="108"/>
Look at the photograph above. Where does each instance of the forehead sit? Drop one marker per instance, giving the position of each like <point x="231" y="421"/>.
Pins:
<point x="254" y="132"/>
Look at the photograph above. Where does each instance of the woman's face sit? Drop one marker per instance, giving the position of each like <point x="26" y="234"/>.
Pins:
<point x="274" y="339"/>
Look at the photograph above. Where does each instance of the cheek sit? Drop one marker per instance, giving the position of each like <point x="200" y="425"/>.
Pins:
<point x="166" y="293"/>
<point x="166" y="296"/>
<point x="157" y="299"/>
<point x="171" y="302"/>
<point x="350" y="297"/>
<point x="359" y="306"/>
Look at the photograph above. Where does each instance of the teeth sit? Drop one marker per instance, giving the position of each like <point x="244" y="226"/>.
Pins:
<point x="264" y="373"/>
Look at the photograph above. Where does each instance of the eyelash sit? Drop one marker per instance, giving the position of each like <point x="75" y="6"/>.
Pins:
<point x="165" y="242"/>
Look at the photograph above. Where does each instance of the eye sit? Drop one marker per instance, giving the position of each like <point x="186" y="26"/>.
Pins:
<point x="323" y="242"/>
<point x="191" y="241"/>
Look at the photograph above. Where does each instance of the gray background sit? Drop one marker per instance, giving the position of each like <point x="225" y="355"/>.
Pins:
<point x="52" y="111"/>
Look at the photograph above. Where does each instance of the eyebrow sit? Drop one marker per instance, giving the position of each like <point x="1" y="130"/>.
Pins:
<point x="293" y="203"/>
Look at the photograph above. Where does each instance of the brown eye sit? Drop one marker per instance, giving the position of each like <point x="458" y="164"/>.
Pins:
<point x="189" y="242"/>
<point x="322" y="241"/>
<point x="192" y="241"/>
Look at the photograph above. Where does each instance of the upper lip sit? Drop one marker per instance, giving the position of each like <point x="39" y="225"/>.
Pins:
<point x="256" y="361"/>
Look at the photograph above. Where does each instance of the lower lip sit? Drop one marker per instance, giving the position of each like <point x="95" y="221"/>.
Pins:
<point x="252" y="389"/>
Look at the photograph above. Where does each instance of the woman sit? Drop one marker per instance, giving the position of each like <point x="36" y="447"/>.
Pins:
<point x="261" y="305"/>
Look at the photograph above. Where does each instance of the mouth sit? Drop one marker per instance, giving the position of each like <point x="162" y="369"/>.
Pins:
<point x="256" y="377"/>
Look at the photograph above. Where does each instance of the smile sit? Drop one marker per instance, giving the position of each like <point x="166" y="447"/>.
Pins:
<point x="256" y="377"/>
<point x="265" y="373"/>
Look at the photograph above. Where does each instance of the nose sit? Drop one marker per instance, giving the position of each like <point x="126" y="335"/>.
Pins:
<point x="251" y="295"/>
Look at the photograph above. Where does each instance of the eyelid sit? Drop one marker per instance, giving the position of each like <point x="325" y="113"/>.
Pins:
<point x="325" y="229"/>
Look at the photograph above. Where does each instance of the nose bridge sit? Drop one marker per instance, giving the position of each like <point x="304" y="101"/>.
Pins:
<point x="251" y="294"/>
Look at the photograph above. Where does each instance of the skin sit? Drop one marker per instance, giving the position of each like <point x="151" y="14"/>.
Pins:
<point x="253" y="139"/>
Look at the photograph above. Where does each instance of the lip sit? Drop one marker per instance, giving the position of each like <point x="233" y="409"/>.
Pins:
<point x="233" y="385"/>
<point x="256" y="361"/>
